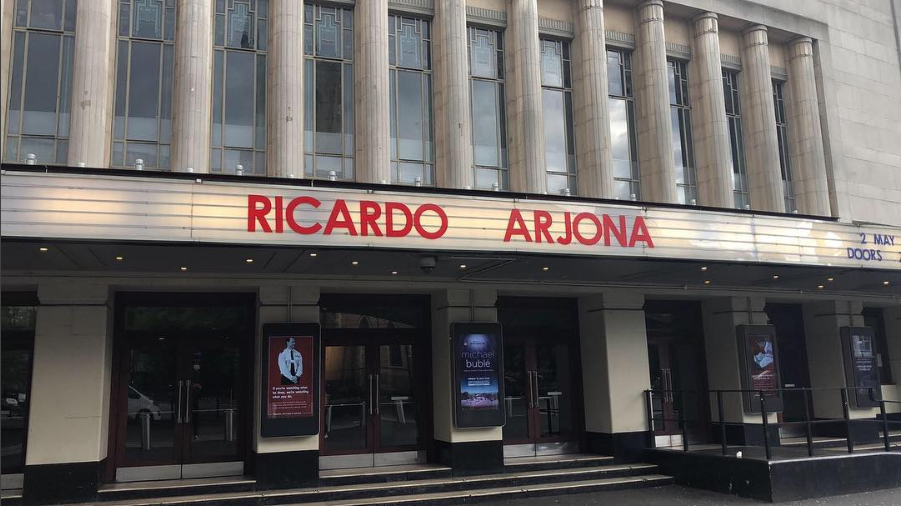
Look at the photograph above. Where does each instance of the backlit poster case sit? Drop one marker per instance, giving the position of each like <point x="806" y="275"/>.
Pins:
<point x="862" y="370"/>
<point x="478" y="374"/>
<point x="291" y="371"/>
<point x="758" y="359"/>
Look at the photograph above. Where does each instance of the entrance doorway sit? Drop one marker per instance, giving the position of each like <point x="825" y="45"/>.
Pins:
<point x="181" y="392"/>
<point x="376" y="381"/>
<point x="676" y="363"/>
<point x="541" y="377"/>
<point x="787" y="320"/>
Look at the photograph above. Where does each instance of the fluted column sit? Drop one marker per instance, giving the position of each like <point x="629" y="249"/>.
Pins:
<point x="91" y="117"/>
<point x="6" y="38"/>
<point x="285" y="89"/>
<point x="709" y="118"/>
<point x="453" y="130"/>
<point x="192" y="86"/>
<point x="527" y="149"/>
<point x="806" y="143"/>
<point x="759" y="130"/>
<point x="595" y="173"/>
<point x="653" y="106"/>
<point x="372" y="92"/>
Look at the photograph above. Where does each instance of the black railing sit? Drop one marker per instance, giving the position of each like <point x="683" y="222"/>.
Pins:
<point x="762" y="400"/>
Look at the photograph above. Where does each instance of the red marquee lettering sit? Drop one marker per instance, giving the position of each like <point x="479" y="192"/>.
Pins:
<point x="579" y="236"/>
<point x="516" y="219"/>
<point x="369" y="213"/>
<point x="280" y="222"/>
<point x="567" y="238"/>
<point x="255" y="214"/>
<point x="542" y="220"/>
<point x="619" y="233"/>
<point x="390" y="230"/>
<point x="293" y="224"/>
<point x="640" y="233"/>
<point x="443" y="218"/>
<point x="340" y="218"/>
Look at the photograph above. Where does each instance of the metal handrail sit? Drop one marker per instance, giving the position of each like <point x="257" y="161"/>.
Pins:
<point x="765" y="423"/>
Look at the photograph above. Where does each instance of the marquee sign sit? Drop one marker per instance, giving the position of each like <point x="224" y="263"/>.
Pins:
<point x="89" y="206"/>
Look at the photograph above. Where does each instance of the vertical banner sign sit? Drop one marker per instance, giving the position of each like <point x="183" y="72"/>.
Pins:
<point x="860" y="359"/>
<point x="478" y="370"/>
<point x="760" y="369"/>
<point x="290" y="379"/>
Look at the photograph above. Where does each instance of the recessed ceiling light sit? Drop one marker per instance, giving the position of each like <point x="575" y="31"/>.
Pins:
<point x="886" y="283"/>
<point x="183" y="268"/>
<point x="820" y="287"/>
<point x="250" y="260"/>
<point x="313" y="255"/>
<point x="355" y="262"/>
<point x="463" y="266"/>
<point x="707" y="281"/>
<point x="776" y="276"/>
<point x="394" y="272"/>
<point x="44" y="249"/>
<point x="704" y="269"/>
<point x="830" y="279"/>
<point x="119" y="258"/>
<point x="161" y="338"/>
<point x="545" y="269"/>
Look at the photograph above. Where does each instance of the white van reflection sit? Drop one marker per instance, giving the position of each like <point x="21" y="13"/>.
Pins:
<point x="139" y="404"/>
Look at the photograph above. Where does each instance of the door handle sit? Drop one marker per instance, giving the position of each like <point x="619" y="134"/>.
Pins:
<point x="187" y="401"/>
<point x="668" y="385"/>
<point x="535" y="385"/>
<point x="370" y="391"/>
<point x="178" y="406"/>
<point x="532" y="399"/>
<point x="377" y="394"/>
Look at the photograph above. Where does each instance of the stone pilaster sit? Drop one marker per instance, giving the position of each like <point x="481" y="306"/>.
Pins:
<point x="595" y="172"/>
<point x="285" y="90"/>
<point x="371" y="88"/>
<point x="91" y="116"/>
<point x="759" y="130"/>
<point x="711" y="136"/>
<point x="453" y="129"/>
<point x="192" y="94"/>
<point x="527" y="146"/>
<point x="806" y="143"/>
<point x="7" y="13"/>
<point x="653" y="106"/>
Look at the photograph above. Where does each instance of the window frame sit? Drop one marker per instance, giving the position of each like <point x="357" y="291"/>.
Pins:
<point x="687" y="177"/>
<point x="789" y="201"/>
<point x="730" y="79"/>
<point x="502" y="170"/>
<point x="626" y="81"/>
<point x="565" y="89"/>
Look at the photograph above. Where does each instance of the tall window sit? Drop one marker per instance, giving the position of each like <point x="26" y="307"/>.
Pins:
<point x="557" y="110"/>
<point x="740" y="179"/>
<point x="789" y="203"/>
<point x="410" y="78"/>
<point x="683" y="156"/>
<point x="41" y="81"/>
<point x="328" y="92"/>
<point x="142" y="126"/>
<point x="486" y="54"/>
<point x="239" y="87"/>
<point x="623" y="125"/>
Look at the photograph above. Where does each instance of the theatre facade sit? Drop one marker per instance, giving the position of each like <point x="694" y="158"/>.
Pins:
<point x="286" y="242"/>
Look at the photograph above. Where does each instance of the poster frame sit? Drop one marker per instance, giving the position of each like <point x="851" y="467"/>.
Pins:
<point x="464" y="419"/>
<point x="859" y="397"/>
<point x="289" y="426"/>
<point x="751" y="402"/>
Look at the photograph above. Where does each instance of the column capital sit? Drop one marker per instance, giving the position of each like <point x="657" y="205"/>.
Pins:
<point x="754" y="35"/>
<point x="651" y="10"/>
<point x="800" y="47"/>
<point x="704" y="23"/>
<point x="590" y="4"/>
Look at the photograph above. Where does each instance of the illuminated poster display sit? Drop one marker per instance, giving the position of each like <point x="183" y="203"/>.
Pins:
<point x="291" y="372"/>
<point x="478" y="367"/>
<point x="758" y="359"/>
<point x="860" y="358"/>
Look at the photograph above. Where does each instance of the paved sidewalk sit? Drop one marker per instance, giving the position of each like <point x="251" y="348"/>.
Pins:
<point x="684" y="496"/>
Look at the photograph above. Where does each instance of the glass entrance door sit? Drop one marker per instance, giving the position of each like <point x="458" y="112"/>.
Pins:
<point x="539" y="398"/>
<point x="181" y="392"/>
<point x="371" y="401"/>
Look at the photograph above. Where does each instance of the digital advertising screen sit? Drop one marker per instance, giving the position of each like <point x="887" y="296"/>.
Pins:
<point x="862" y="369"/>
<point x="758" y="359"/>
<point x="291" y="369"/>
<point x="478" y="367"/>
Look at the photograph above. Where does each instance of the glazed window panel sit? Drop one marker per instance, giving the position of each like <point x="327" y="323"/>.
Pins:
<point x="622" y="119"/>
<point x="783" y="147"/>
<point x="40" y="81"/>
<point x="681" y="127"/>
<point x="328" y="92"/>
<point x="557" y="107"/>
<point x="486" y="57"/>
<point x="239" y="87"/>
<point x="410" y="90"/>
<point x="737" y="153"/>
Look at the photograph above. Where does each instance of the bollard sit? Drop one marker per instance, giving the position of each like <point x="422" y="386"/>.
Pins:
<point x="145" y="430"/>
<point x="230" y="424"/>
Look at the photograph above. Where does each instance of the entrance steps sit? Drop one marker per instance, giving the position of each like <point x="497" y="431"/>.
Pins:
<point x="403" y="485"/>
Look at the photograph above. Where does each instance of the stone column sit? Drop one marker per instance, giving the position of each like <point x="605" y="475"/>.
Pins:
<point x="759" y="123"/>
<point x="526" y="131"/>
<point x="371" y="90"/>
<point x="595" y="173"/>
<point x="453" y="129"/>
<point x="284" y="462"/>
<point x="285" y="90"/>
<point x="614" y="351"/>
<point x="653" y="106"/>
<point x="806" y="143"/>
<point x="192" y="95"/>
<point x="91" y="119"/>
<point x="7" y="13"/>
<point x="465" y="451"/>
<point x="70" y="393"/>
<point x="711" y="135"/>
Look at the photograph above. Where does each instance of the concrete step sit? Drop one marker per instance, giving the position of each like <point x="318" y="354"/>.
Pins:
<point x="175" y="488"/>
<point x="385" y="474"/>
<point x="570" y="461"/>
